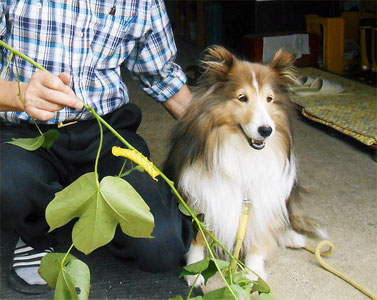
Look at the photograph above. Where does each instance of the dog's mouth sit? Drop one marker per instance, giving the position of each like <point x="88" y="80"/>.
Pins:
<point x="254" y="143"/>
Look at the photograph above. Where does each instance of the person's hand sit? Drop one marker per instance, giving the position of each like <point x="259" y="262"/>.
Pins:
<point x="45" y="94"/>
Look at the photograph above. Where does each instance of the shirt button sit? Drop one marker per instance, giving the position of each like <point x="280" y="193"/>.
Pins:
<point x="80" y="33"/>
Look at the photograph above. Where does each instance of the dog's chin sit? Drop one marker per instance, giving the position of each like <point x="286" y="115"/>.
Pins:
<point x="256" y="144"/>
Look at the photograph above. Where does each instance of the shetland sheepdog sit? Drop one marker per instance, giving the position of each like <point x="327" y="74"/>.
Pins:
<point x="234" y="143"/>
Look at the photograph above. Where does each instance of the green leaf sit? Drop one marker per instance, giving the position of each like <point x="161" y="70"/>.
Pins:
<point x="70" y="282"/>
<point x="179" y="297"/>
<point x="51" y="266"/>
<point x="70" y="202"/>
<point x="223" y="264"/>
<point x="241" y="279"/>
<point x="99" y="210"/>
<point x="73" y="281"/>
<point x="185" y="211"/>
<point x="211" y="270"/>
<point x="195" y="268"/>
<point x="30" y="144"/>
<point x="50" y="137"/>
<point x="260" y="286"/>
<point x="128" y="207"/>
<point x="266" y="296"/>
<point x="225" y="294"/>
<point x="206" y="267"/>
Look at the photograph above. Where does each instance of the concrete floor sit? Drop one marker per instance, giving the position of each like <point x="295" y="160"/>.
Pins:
<point x="340" y="177"/>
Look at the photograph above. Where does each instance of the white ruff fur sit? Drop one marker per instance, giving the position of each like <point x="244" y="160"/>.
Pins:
<point x="265" y="177"/>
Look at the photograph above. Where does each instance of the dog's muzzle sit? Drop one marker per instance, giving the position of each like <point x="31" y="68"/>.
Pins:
<point x="256" y="144"/>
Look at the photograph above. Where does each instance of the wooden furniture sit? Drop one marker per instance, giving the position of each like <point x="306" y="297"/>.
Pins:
<point x="334" y="32"/>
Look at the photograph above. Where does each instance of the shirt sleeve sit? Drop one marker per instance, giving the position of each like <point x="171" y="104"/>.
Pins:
<point x="3" y="24"/>
<point x="154" y="55"/>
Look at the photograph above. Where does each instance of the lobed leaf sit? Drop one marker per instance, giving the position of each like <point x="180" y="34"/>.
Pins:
<point x="51" y="266"/>
<point x="127" y="207"/>
<point x="72" y="281"/>
<point x="100" y="209"/>
<point x="70" y="202"/>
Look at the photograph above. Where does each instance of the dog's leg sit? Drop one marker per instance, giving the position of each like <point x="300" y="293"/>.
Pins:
<point x="255" y="261"/>
<point x="195" y="254"/>
<point x="291" y="239"/>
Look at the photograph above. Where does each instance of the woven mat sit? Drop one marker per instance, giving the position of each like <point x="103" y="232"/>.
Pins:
<point x="354" y="112"/>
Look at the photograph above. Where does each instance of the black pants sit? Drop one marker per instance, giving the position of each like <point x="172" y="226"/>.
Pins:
<point x="30" y="179"/>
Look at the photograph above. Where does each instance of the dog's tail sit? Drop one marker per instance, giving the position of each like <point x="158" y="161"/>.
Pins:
<point x="300" y="222"/>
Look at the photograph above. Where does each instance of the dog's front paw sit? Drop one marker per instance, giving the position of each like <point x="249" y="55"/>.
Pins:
<point x="191" y="280"/>
<point x="260" y="272"/>
<point x="255" y="263"/>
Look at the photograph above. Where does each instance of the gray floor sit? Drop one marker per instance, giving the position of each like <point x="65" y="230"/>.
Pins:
<point x="340" y="177"/>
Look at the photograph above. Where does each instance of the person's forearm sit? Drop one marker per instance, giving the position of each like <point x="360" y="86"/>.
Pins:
<point x="9" y="100"/>
<point x="177" y="104"/>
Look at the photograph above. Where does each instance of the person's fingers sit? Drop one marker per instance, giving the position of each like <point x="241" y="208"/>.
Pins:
<point x="65" y="77"/>
<point x="47" y="105"/>
<point x="55" y="88"/>
<point x="59" y="98"/>
<point x="39" y="114"/>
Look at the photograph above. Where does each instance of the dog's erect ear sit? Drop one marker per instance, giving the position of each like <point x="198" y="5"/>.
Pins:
<point x="283" y="65"/>
<point x="217" y="62"/>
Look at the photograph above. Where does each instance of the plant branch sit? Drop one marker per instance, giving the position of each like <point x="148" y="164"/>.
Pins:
<point x="98" y="152"/>
<point x="21" y="97"/>
<point x="7" y="66"/>
<point x="122" y="169"/>
<point x="23" y="56"/>
<point x="65" y="257"/>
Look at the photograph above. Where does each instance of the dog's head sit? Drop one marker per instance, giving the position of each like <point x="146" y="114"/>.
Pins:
<point x="251" y="97"/>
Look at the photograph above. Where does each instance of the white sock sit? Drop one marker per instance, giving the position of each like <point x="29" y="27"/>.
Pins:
<point x="28" y="273"/>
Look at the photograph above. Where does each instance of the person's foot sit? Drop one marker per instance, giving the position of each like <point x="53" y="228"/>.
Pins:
<point x="24" y="276"/>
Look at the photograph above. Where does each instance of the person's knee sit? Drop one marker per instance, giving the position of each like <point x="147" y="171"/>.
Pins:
<point x="159" y="254"/>
<point x="160" y="257"/>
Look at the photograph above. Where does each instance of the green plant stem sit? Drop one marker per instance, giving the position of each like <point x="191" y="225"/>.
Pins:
<point x="216" y="264"/>
<point x="99" y="118"/>
<point x="7" y="66"/>
<point x="65" y="257"/>
<point x="21" y="97"/>
<point x="130" y="171"/>
<point x="98" y="153"/>
<point x="23" y="56"/>
<point x="122" y="169"/>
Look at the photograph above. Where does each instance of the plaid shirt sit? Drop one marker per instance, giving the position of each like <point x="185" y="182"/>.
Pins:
<point x="89" y="40"/>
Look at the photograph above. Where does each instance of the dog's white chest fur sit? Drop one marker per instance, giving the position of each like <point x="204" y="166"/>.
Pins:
<point x="264" y="176"/>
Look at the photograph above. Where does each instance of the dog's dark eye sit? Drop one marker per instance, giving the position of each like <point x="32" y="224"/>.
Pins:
<point x="242" y="98"/>
<point x="269" y="99"/>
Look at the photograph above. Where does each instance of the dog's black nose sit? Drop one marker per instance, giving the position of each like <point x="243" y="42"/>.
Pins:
<point x="265" y="131"/>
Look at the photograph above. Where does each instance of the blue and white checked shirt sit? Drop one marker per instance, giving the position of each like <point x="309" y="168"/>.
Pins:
<point x="88" y="40"/>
